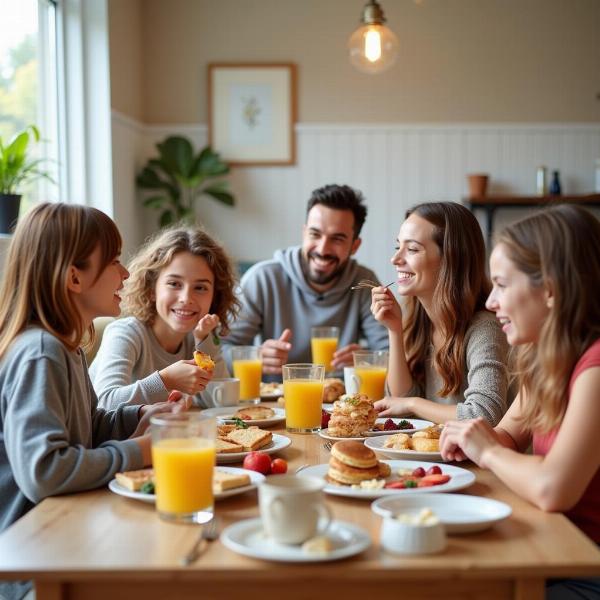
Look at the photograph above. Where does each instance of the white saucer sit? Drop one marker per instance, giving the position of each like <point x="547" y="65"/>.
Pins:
<point x="460" y="513"/>
<point x="279" y="442"/>
<point x="225" y="413"/>
<point x="255" y="478"/>
<point x="247" y="537"/>
<point x="324" y="433"/>
<point x="376" y="444"/>
<point x="460" y="478"/>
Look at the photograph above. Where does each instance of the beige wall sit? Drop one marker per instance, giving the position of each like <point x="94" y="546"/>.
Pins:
<point x="460" y="60"/>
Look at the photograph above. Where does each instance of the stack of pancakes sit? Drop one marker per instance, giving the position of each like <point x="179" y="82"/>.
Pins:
<point x="352" y="462"/>
<point x="352" y="416"/>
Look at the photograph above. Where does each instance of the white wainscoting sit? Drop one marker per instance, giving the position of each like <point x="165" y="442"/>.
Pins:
<point x="394" y="165"/>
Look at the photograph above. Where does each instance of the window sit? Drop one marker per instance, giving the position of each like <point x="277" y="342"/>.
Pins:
<point x="28" y="84"/>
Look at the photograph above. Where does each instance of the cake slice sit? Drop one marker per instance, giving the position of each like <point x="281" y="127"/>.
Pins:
<point x="134" y="480"/>
<point x="227" y="481"/>
<point x="251" y="438"/>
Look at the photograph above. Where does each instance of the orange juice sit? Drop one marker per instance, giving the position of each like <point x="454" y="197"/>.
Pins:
<point x="183" y="474"/>
<point x="249" y="372"/>
<point x="372" y="381"/>
<point x="322" y="351"/>
<point x="303" y="402"/>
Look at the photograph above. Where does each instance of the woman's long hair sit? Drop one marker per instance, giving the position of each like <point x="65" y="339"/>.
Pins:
<point x="461" y="291"/>
<point x="47" y="241"/>
<point x="158" y="252"/>
<point x="558" y="247"/>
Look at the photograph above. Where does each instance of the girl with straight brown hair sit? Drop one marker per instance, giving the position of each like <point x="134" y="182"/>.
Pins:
<point x="545" y="270"/>
<point x="447" y="354"/>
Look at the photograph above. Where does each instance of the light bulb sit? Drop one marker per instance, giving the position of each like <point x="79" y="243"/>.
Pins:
<point x="373" y="47"/>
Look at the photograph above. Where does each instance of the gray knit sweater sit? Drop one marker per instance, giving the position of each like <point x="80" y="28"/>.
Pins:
<point x="125" y="370"/>
<point x="484" y="391"/>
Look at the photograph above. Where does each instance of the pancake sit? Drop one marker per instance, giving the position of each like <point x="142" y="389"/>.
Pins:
<point x="354" y="454"/>
<point x="346" y="475"/>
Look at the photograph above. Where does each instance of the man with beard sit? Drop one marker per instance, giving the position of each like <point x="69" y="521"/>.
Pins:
<point x="309" y="285"/>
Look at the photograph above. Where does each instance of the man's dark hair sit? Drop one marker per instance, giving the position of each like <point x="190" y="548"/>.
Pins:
<point x="341" y="197"/>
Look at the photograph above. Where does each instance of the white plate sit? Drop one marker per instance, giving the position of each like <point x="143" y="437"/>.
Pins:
<point x="279" y="442"/>
<point x="417" y="425"/>
<point x="225" y="413"/>
<point x="247" y="537"/>
<point x="376" y="444"/>
<point x="324" y="433"/>
<point x="328" y="407"/>
<point x="255" y="479"/>
<point x="460" y="513"/>
<point x="461" y="478"/>
<point x="276" y="393"/>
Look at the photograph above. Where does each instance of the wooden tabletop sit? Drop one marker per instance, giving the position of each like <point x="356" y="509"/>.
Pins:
<point x="100" y="545"/>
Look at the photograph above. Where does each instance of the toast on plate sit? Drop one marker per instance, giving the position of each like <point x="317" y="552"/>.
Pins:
<point x="227" y="481"/>
<point x="134" y="480"/>
<point x="252" y="438"/>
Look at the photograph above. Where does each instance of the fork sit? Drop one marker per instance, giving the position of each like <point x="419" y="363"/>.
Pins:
<point x="327" y="446"/>
<point x="209" y="533"/>
<point x="366" y="284"/>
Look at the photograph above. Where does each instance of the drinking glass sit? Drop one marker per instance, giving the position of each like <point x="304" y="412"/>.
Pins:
<point x="324" y="342"/>
<point x="184" y="456"/>
<point x="303" y="392"/>
<point x="370" y="370"/>
<point x="247" y="367"/>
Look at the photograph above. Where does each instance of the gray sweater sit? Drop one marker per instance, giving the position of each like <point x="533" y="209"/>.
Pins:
<point x="53" y="437"/>
<point x="484" y="391"/>
<point x="276" y="296"/>
<point x="125" y="370"/>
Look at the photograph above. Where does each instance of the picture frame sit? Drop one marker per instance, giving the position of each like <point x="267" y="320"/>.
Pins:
<point x="252" y="113"/>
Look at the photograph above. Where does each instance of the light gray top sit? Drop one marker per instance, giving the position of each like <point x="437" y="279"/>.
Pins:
<point x="53" y="437"/>
<point x="484" y="391"/>
<point x="276" y="296"/>
<point x="125" y="370"/>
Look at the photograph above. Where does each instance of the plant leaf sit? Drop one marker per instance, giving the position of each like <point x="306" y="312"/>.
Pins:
<point x="166" y="218"/>
<point x="155" y="201"/>
<point x="177" y="154"/>
<point x="209" y="163"/>
<point x="219" y="195"/>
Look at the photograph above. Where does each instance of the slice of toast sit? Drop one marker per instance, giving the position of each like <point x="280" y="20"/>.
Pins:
<point x="226" y="447"/>
<point x="227" y="481"/>
<point x="251" y="438"/>
<point x="134" y="480"/>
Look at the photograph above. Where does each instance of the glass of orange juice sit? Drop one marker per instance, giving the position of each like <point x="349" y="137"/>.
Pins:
<point x="324" y="342"/>
<point x="247" y="367"/>
<point x="184" y="456"/>
<point x="303" y="392"/>
<point x="370" y="370"/>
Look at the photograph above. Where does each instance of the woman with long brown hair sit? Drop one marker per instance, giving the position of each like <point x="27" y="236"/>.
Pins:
<point x="545" y="270"/>
<point x="447" y="353"/>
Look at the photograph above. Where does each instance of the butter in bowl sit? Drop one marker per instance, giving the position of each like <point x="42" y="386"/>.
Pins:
<point x="413" y="532"/>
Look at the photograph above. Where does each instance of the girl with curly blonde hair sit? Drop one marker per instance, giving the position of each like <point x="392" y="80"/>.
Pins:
<point x="180" y="291"/>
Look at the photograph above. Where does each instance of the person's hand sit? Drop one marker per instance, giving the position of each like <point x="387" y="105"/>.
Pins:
<point x="386" y="309"/>
<point x="147" y="411"/>
<point x="205" y="325"/>
<point x="393" y="407"/>
<point x="185" y="376"/>
<point x="274" y="353"/>
<point x="343" y="356"/>
<point x="468" y="439"/>
<point x="176" y="396"/>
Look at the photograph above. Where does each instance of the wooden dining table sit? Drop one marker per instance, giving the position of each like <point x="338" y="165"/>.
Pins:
<point x="98" y="545"/>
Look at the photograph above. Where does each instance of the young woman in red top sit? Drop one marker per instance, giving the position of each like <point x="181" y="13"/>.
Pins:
<point x="546" y="271"/>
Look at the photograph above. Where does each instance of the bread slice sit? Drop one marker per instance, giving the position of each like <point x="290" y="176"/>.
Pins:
<point x="227" y="481"/>
<point x="251" y="438"/>
<point x="226" y="447"/>
<point x="134" y="480"/>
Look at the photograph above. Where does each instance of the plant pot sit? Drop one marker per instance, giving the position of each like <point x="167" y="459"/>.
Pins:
<point x="9" y="211"/>
<point x="477" y="185"/>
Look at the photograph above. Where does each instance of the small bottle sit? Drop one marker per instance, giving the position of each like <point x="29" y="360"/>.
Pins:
<point x="555" y="189"/>
<point x="541" y="181"/>
<point x="597" y="185"/>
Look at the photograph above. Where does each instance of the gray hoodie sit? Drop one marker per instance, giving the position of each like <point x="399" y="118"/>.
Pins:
<point x="277" y="296"/>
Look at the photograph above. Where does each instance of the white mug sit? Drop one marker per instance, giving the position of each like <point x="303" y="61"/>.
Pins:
<point x="292" y="508"/>
<point x="351" y="381"/>
<point x="224" y="392"/>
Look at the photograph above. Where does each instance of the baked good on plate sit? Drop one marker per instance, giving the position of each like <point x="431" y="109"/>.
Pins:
<point x="352" y="462"/>
<point x="254" y="413"/>
<point x="333" y="388"/>
<point x="352" y="416"/>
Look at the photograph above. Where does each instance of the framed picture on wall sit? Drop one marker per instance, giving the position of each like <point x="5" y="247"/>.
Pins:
<point x="252" y="112"/>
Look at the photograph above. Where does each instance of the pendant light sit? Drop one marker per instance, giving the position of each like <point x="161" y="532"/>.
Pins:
<point x="373" y="47"/>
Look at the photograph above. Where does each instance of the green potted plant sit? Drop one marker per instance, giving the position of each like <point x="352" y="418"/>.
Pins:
<point x="17" y="169"/>
<point x="179" y="176"/>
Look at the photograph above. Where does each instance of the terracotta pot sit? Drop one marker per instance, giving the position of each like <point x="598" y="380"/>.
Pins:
<point x="477" y="185"/>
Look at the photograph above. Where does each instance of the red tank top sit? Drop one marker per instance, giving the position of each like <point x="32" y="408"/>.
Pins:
<point x="586" y="513"/>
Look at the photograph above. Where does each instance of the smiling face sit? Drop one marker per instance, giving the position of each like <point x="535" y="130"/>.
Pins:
<point x="327" y="245"/>
<point x="417" y="258"/>
<point x="183" y="294"/>
<point x="520" y="307"/>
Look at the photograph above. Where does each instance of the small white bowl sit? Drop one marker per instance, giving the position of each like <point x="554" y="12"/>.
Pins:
<point x="408" y="538"/>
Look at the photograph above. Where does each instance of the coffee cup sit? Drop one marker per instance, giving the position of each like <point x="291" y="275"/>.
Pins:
<point x="351" y="381"/>
<point x="292" y="508"/>
<point x="224" y="391"/>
